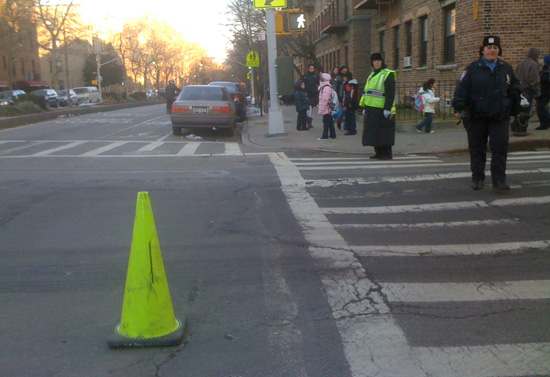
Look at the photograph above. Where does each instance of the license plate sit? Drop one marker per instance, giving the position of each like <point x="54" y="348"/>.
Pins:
<point x="200" y="110"/>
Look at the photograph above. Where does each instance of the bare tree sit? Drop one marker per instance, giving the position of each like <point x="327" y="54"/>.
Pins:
<point x="15" y="28"/>
<point x="56" y="21"/>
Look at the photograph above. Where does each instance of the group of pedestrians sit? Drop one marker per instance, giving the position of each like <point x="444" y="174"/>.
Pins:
<point x="487" y="95"/>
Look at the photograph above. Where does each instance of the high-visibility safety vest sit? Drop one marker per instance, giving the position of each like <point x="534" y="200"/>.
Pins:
<point x="374" y="94"/>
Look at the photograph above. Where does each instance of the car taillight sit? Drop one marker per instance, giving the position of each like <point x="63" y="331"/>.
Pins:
<point x="222" y="110"/>
<point x="180" y="109"/>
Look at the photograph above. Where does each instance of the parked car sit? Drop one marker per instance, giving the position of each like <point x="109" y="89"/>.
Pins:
<point x="49" y="95"/>
<point x="87" y="94"/>
<point x="237" y="93"/>
<point x="9" y="97"/>
<point x="203" y="107"/>
<point x="63" y="96"/>
<point x="151" y="94"/>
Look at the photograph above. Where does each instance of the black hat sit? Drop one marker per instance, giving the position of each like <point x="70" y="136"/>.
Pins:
<point x="376" y="56"/>
<point x="348" y="75"/>
<point x="491" y="40"/>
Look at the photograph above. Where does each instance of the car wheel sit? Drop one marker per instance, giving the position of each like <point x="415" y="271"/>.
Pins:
<point x="176" y="131"/>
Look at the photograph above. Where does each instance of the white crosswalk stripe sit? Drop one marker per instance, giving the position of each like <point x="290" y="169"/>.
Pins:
<point x="374" y="343"/>
<point x="104" y="148"/>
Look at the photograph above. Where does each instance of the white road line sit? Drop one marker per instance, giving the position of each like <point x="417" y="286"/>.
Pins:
<point x="24" y="146"/>
<point x="450" y="224"/>
<point x="103" y="149"/>
<point x="526" y="359"/>
<point x="403" y="208"/>
<point x="135" y="125"/>
<point x="232" y="149"/>
<point x="345" y="163"/>
<point x="521" y="201"/>
<point x="53" y="150"/>
<point x="383" y="165"/>
<point x="188" y="149"/>
<point x="447" y="250"/>
<point x="476" y="291"/>
<point x="434" y="206"/>
<point x="408" y="178"/>
<point x="297" y="160"/>
<point x="372" y="341"/>
<point x="151" y="146"/>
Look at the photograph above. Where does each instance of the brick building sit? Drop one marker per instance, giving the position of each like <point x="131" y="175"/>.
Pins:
<point x="20" y="64"/>
<point x="423" y="38"/>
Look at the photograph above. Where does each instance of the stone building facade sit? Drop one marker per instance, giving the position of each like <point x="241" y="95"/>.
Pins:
<point x="421" y="39"/>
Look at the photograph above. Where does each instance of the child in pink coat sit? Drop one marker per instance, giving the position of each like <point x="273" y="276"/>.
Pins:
<point x="325" y="97"/>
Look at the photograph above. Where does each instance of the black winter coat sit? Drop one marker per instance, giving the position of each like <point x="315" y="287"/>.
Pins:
<point x="545" y="81"/>
<point x="312" y="83"/>
<point x="487" y="94"/>
<point x="301" y="101"/>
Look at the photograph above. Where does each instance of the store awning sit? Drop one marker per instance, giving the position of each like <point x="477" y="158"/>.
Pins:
<point x="32" y="84"/>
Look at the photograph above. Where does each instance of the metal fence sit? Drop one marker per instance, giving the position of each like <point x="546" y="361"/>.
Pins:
<point x="404" y="100"/>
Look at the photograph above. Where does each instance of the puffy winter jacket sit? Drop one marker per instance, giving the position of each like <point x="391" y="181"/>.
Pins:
<point x="325" y="94"/>
<point x="429" y="99"/>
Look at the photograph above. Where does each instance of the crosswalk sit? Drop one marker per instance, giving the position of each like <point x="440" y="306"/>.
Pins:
<point x="115" y="149"/>
<point x="376" y="339"/>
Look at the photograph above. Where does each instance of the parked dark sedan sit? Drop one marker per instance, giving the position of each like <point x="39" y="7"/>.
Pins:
<point x="205" y="107"/>
<point x="50" y="95"/>
<point x="9" y="97"/>
<point x="238" y="95"/>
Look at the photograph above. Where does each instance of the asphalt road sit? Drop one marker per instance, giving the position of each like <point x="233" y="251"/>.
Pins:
<point x="297" y="264"/>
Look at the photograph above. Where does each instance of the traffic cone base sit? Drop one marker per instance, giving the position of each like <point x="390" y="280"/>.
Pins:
<point x="147" y="314"/>
<point x="116" y="340"/>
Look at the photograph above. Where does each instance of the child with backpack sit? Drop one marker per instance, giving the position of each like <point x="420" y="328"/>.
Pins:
<point x="350" y="103"/>
<point x="302" y="105"/>
<point x="426" y="95"/>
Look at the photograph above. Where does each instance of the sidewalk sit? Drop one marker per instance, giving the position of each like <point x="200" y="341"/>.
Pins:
<point x="448" y="137"/>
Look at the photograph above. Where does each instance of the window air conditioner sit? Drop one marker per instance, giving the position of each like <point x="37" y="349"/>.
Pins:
<point x="407" y="61"/>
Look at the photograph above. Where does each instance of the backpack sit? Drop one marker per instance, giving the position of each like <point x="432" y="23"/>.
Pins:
<point x="334" y="103"/>
<point x="419" y="102"/>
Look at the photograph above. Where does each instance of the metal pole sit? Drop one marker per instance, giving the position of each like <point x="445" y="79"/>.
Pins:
<point x="252" y="100"/>
<point x="98" y="59"/>
<point x="276" y="123"/>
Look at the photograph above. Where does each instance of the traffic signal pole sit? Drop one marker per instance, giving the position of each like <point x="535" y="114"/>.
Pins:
<point x="276" y="123"/>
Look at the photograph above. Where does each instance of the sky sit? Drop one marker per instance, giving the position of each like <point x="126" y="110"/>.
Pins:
<point x="199" y="21"/>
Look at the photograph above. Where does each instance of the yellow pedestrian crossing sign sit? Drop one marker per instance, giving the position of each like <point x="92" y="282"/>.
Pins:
<point x="253" y="59"/>
<point x="270" y="4"/>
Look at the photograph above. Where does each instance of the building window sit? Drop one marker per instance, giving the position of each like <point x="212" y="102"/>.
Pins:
<point x="4" y="62"/>
<point x="382" y="42"/>
<point x="59" y="66"/>
<point x="396" y="47"/>
<point x="409" y="33"/>
<point x="22" y="67"/>
<point x="51" y="66"/>
<point x="423" y="42"/>
<point x="13" y="72"/>
<point x="450" y="29"/>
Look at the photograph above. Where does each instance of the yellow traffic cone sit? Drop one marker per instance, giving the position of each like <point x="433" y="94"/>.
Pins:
<point x="147" y="313"/>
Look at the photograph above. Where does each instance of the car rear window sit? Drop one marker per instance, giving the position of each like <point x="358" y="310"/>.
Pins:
<point x="195" y="93"/>
<point x="230" y="86"/>
<point x="81" y="90"/>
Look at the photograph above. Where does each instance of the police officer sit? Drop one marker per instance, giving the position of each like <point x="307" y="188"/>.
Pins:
<point x="379" y="116"/>
<point x="486" y="95"/>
